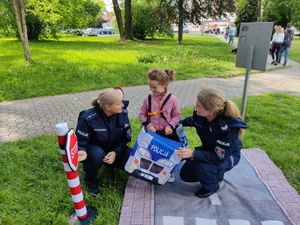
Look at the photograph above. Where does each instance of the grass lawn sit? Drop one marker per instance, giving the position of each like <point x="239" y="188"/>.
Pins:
<point x="295" y="50"/>
<point x="33" y="185"/>
<point x="75" y="64"/>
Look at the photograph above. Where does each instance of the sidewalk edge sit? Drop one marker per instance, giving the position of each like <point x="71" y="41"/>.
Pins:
<point x="284" y="194"/>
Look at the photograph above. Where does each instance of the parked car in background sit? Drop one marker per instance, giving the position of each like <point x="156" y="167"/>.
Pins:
<point x="107" y="31"/>
<point x="91" y="32"/>
<point x="184" y="29"/>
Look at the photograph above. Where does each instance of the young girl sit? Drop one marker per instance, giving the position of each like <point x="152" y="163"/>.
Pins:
<point x="219" y="126"/>
<point x="160" y="111"/>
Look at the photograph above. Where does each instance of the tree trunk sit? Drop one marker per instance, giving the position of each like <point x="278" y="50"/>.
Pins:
<point x="21" y="22"/>
<point x="128" y="20"/>
<point x="118" y="14"/>
<point x="180" y="21"/>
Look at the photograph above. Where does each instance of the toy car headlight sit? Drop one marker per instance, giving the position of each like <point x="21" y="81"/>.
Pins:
<point x="165" y="162"/>
<point x="144" y="153"/>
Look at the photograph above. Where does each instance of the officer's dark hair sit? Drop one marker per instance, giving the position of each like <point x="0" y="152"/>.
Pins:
<point x="106" y="97"/>
<point x="162" y="76"/>
<point x="214" y="101"/>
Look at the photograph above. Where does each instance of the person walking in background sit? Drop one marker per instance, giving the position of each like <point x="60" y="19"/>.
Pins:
<point x="276" y="43"/>
<point x="232" y="32"/>
<point x="160" y="111"/>
<point x="226" y="33"/>
<point x="286" y="45"/>
<point x="103" y="133"/>
<point x="219" y="126"/>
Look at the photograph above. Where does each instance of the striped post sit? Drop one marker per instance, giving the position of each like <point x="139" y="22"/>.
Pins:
<point x="81" y="211"/>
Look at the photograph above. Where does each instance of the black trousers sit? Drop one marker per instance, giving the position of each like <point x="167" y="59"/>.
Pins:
<point x="94" y="161"/>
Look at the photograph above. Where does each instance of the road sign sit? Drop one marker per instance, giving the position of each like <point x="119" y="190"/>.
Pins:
<point x="72" y="150"/>
<point x="259" y="35"/>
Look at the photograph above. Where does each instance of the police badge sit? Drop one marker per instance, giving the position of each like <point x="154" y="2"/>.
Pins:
<point x="220" y="152"/>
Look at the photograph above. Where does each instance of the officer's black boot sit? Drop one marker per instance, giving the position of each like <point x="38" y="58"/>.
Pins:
<point x="92" y="187"/>
<point x="204" y="193"/>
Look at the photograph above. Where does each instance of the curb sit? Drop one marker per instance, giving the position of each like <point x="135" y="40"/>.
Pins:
<point x="285" y="195"/>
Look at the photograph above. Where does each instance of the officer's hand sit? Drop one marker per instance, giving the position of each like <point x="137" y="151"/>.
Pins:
<point x="110" y="157"/>
<point x="152" y="128"/>
<point x="168" y="130"/>
<point x="81" y="155"/>
<point x="185" y="153"/>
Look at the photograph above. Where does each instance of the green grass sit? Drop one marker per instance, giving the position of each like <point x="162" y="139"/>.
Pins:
<point x="295" y="50"/>
<point x="33" y="186"/>
<point x="274" y="126"/>
<point x="75" y="64"/>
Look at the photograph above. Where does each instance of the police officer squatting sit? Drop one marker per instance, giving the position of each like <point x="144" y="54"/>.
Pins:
<point x="104" y="131"/>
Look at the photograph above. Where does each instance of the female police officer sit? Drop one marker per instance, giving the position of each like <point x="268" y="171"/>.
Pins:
<point x="219" y="127"/>
<point x="103" y="132"/>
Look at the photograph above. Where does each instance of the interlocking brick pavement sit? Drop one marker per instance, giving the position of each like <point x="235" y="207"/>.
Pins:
<point x="286" y="196"/>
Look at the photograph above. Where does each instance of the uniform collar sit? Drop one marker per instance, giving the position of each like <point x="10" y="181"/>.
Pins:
<point x="217" y="125"/>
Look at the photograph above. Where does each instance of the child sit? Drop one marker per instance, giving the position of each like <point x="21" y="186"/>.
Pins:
<point x="160" y="111"/>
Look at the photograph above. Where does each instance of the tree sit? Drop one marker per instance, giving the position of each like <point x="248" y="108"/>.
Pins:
<point x="19" y="9"/>
<point x="159" y="19"/>
<point x="282" y="12"/>
<point x="195" y="10"/>
<point x="128" y="20"/>
<point x="118" y="15"/>
<point x="182" y="14"/>
<point x="247" y="11"/>
<point x="278" y="12"/>
<point x="47" y="18"/>
<point x="8" y="26"/>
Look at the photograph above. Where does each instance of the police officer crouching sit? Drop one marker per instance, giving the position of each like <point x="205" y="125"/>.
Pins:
<point x="218" y="124"/>
<point x="103" y="133"/>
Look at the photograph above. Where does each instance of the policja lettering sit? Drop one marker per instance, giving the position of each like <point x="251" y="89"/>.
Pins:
<point x="159" y="150"/>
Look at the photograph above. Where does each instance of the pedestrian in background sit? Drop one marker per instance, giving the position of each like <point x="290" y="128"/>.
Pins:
<point x="232" y="32"/>
<point x="276" y="43"/>
<point x="286" y="45"/>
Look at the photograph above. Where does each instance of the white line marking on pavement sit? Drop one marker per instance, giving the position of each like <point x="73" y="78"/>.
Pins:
<point x="214" y="199"/>
<point x="173" y="220"/>
<point x="239" y="222"/>
<point x="201" y="221"/>
<point x="272" y="222"/>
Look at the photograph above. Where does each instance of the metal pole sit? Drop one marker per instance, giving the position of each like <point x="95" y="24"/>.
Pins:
<point x="248" y="72"/>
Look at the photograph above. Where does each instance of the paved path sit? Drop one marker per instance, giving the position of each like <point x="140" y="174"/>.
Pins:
<point x="32" y="117"/>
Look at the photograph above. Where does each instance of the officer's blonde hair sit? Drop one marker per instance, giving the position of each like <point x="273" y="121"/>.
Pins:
<point x="106" y="97"/>
<point x="214" y="101"/>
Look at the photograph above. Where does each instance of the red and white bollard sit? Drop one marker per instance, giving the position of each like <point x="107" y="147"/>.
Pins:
<point x="67" y="142"/>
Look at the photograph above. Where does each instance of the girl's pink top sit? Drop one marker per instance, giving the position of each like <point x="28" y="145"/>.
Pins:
<point x="171" y="111"/>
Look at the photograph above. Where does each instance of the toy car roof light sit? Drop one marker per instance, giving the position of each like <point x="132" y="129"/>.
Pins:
<point x="144" y="153"/>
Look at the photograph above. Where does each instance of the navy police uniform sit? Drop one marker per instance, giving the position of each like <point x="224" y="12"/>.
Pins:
<point x="98" y="134"/>
<point x="220" y="150"/>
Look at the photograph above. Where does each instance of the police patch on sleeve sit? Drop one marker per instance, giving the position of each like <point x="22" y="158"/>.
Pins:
<point x="220" y="152"/>
<point x="129" y="134"/>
